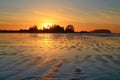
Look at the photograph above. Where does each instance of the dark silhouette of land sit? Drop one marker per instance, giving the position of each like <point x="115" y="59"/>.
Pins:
<point x="98" y="31"/>
<point x="101" y="31"/>
<point x="53" y="29"/>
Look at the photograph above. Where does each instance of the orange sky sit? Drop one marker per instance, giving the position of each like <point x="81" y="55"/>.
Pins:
<point x="83" y="14"/>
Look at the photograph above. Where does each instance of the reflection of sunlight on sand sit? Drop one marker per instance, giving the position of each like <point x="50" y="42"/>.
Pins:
<point x="59" y="57"/>
<point x="46" y="40"/>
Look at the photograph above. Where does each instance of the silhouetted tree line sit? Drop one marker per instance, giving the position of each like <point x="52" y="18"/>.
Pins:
<point x="53" y="29"/>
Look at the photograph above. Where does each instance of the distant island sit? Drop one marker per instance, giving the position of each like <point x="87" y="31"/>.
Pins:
<point x="54" y="29"/>
<point x="98" y="31"/>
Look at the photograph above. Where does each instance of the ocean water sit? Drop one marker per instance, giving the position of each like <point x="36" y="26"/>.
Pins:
<point x="59" y="56"/>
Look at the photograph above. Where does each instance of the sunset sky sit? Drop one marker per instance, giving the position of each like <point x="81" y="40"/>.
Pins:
<point x="83" y="14"/>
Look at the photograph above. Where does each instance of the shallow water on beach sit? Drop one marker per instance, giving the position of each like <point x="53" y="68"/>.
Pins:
<point x="59" y="56"/>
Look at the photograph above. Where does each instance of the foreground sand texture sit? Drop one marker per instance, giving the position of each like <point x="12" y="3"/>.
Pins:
<point x="59" y="57"/>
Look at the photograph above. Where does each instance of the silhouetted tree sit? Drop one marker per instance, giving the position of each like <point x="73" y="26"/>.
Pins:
<point x="54" y="29"/>
<point x="47" y="29"/>
<point x="33" y="29"/>
<point x="57" y="29"/>
<point x="69" y="29"/>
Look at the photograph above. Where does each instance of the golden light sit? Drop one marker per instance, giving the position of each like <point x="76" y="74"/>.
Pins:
<point x="44" y="22"/>
<point x="47" y="26"/>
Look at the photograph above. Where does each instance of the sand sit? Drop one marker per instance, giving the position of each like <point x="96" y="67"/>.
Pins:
<point x="59" y="57"/>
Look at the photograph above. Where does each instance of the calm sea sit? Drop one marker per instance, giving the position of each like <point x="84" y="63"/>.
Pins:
<point x="59" y="56"/>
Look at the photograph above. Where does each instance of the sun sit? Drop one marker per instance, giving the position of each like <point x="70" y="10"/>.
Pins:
<point x="47" y="26"/>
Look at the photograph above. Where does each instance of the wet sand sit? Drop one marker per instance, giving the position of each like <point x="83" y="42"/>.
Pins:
<point x="59" y="57"/>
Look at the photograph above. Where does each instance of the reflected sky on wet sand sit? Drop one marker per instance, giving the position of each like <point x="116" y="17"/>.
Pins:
<point x="59" y="56"/>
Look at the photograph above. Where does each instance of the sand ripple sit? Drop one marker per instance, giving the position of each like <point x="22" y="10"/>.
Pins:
<point x="59" y="57"/>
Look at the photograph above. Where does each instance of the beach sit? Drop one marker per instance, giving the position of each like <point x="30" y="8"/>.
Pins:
<point x="72" y="56"/>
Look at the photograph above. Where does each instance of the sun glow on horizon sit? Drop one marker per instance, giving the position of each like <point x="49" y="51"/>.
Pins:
<point x="46" y="22"/>
<point x="47" y="26"/>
